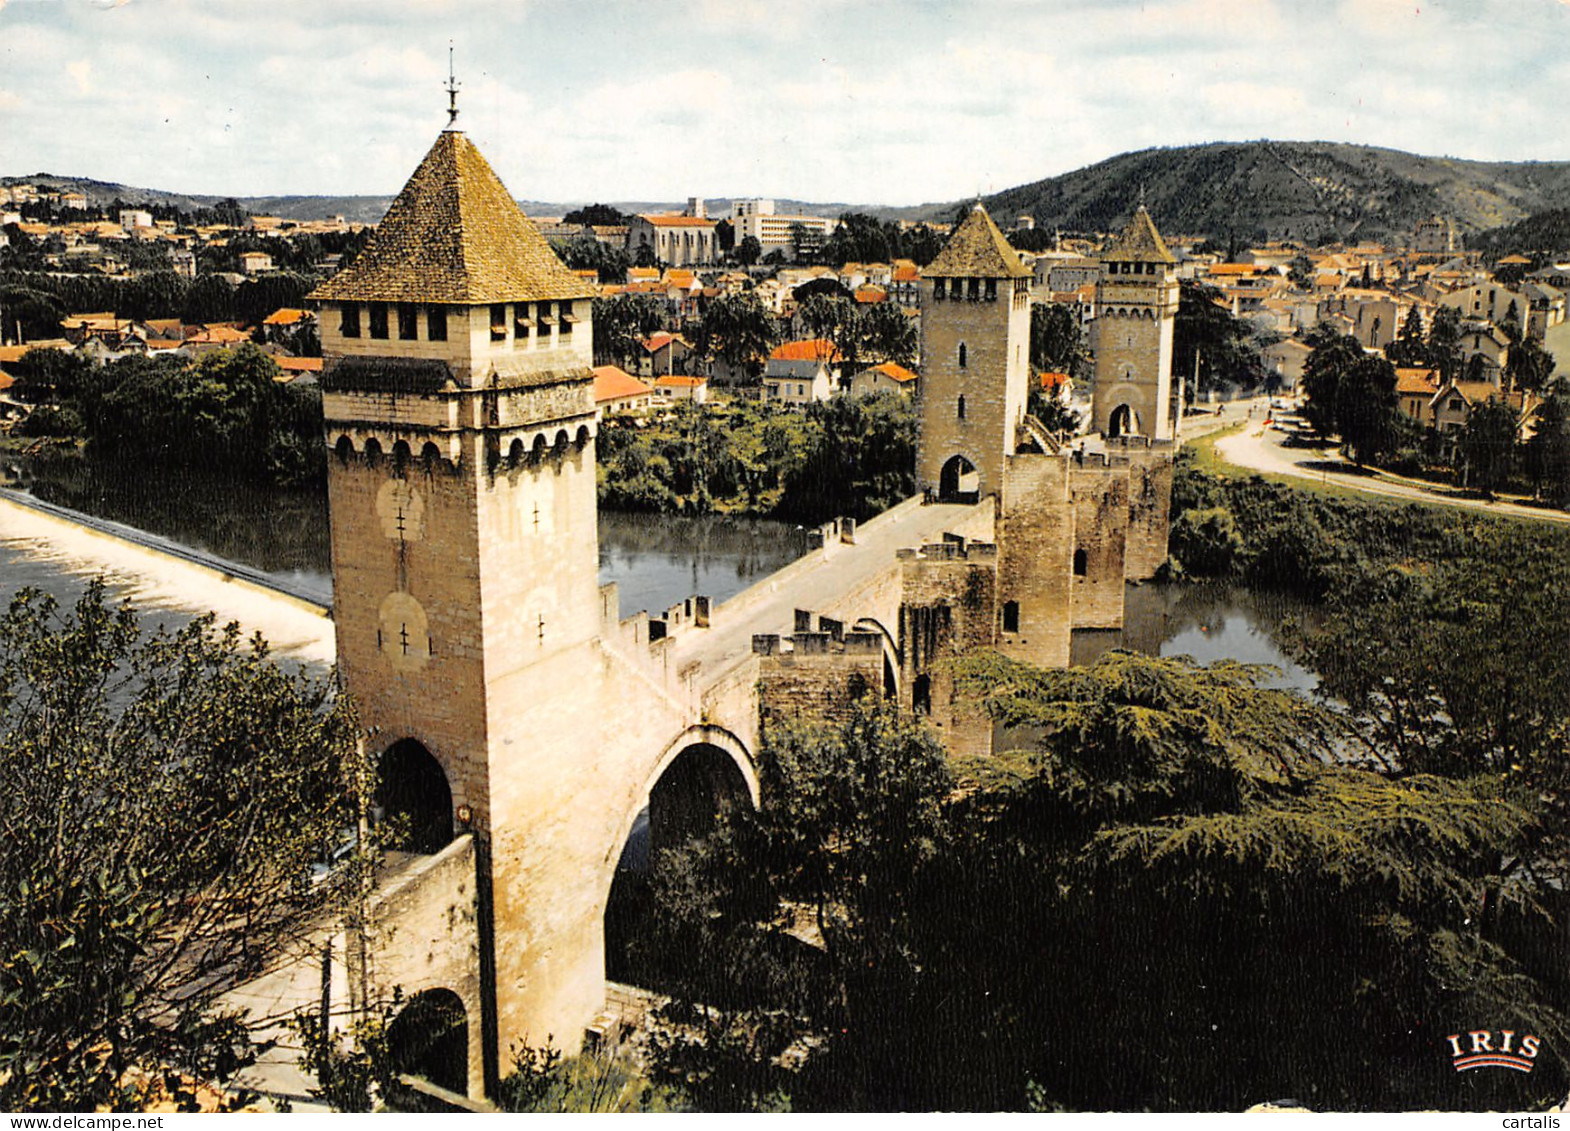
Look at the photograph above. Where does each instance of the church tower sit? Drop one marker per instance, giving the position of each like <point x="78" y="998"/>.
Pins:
<point x="975" y="382"/>
<point x="461" y="487"/>
<point x="1136" y="305"/>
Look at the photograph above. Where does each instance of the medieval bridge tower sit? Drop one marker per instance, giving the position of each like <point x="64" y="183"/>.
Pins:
<point x="461" y="490"/>
<point x="523" y="729"/>
<point x="1136" y="305"/>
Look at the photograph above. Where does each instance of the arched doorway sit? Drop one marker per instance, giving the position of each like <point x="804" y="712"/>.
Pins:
<point x="430" y="1038"/>
<point x="959" y="481"/>
<point x="412" y="791"/>
<point x="1124" y="421"/>
<point x="696" y="790"/>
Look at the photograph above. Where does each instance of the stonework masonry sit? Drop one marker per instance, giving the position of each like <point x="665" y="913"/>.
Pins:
<point x="471" y="626"/>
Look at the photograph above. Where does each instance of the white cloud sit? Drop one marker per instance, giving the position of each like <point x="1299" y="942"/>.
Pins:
<point x="817" y="99"/>
<point x="81" y="71"/>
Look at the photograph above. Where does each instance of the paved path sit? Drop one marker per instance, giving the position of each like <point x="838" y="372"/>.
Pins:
<point x="1261" y="448"/>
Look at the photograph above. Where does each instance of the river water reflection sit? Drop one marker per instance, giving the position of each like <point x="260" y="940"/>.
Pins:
<point x="656" y="560"/>
<point x="1208" y="622"/>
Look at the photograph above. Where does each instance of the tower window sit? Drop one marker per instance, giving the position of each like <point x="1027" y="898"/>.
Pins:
<point x="1010" y="616"/>
<point x="962" y="358"/>
<point x="1081" y="563"/>
<point x="973" y="289"/>
<point x="937" y="289"/>
<point x="349" y="320"/>
<point x="992" y="289"/>
<point x="408" y="322"/>
<point x="545" y="320"/>
<point x="565" y="317"/>
<point x="962" y="406"/>
<point x="498" y="321"/>
<point x="436" y="323"/>
<point x="378" y="319"/>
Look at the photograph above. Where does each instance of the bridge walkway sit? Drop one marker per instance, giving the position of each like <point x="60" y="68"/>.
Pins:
<point x="821" y="580"/>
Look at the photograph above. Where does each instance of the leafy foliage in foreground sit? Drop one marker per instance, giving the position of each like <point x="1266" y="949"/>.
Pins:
<point x="1165" y="891"/>
<point x="162" y="798"/>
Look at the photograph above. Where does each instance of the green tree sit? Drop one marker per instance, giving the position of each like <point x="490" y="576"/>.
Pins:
<point x="1206" y="329"/>
<point x="738" y="329"/>
<point x="1055" y="340"/>
<point x="1347" y="899"/>
<point x="163" y="799"/>
<point x="597" y="214"/>
<point x="749" y="251"/>
<point x="1350" y="393"/>
<point x="1332" y="356"/>
<point x="1410" y="349"/>
<point x="886" y="334"/>
<point x="1529" y="366"/>
<point x="1367" y="408"/>
<point x="1488" y="443"/>
<point x="620" y="322"/>
<point x="1444" y="342"/>
<point x="1547" y="453"/>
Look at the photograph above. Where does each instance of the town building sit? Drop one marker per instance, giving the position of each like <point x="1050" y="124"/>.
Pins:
<point x="779" y="231"/>
<point x="802" y="371"/>
<point x="886" y="377"/>
<point x="617" y="392"/>
<point x="673" y="240"/>
<point x="681" y="387"/>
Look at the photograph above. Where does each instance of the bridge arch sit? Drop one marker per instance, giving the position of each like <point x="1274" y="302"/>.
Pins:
<point x="703" y="773"/>
<point x="891" y="657"/>
<point x="412" y="787"/>
<point x="959" y="481"/>
<point x="1124" y="421"/>
<point x="429" y="1038"/>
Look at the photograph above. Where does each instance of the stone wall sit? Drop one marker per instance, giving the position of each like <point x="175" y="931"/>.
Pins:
<point x="1150" y="509"/>
<point x="817" y="674"/>
<point x="424" y="934"/>
<point x="950" y="608"/>
<point x="1100" y="487"/>
<point x="1037" y="545"/>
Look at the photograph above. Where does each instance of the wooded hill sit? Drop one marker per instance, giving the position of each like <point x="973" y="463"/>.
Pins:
<point x="1293" y="190"/>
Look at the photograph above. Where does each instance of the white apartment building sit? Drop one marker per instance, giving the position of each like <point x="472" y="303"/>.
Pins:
<point x="772" y="229"/>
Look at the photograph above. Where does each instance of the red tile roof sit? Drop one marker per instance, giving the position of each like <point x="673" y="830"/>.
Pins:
<point x="679" y="382"/>
<point x="1416" y="381"/>
<point x="894" y="371"/>
<point x="285" y="316"/>
<point x="613" y="383"/>
<point x="678" y="221"/>
<point x="807" y="349"/>
<point x="656" y="342"/>
<point x="298" y="364"/>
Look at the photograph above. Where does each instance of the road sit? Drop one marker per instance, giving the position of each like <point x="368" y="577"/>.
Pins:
<point x="1261" y="448"/>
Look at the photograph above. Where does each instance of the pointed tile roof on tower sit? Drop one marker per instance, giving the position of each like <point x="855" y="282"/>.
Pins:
<point x="1139" y="242"/>
<point x="976" y="248"/>
<point x="454" y="235"/>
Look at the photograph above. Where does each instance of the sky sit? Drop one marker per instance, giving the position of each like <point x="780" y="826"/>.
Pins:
<point x="851" y="101"/>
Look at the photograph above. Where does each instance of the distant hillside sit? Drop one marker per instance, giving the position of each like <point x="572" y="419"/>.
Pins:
<point x="1546" y="233"/>
<point x="370" y="209"/>
<point x="1292" y="190"/>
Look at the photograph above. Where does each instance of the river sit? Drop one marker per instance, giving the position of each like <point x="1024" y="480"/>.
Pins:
<point x="656" y="560"/>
